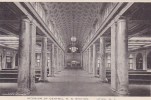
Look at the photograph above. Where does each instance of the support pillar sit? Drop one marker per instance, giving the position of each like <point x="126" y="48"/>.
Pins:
<point x="50" y="62"/>
<point x="134" y="61"/>
<point x="89" y="53"/>
<point x="94" y="61"/>
<point x="53" y="60"/>
<point x="81" y="64"/>
<point x="87" y="60"/>
<point x="144" y="60"/>
<point x="14" y="59"/>
<point x="4" y="59"/>
<point x="114" y="57"/>
<point x="57" y="60"/>
<point x="23" y="68"/>
<point x="102" y="60"/>
<point x="32" y="63"/>
<point x="1" y="54"/>
<point x="44" y="60"/>
<point x="122" y="57"/>
<point x="84" y="60"/>
<point x="58" y="56"/>
<point x="91" y="60"/>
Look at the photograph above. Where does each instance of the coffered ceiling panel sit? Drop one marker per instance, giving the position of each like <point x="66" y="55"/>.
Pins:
<point x="73" y="19"/>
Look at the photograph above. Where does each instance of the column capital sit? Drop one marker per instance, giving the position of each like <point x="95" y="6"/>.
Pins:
<point x="122" y="18"/>
<point x="25" y="18"/>
<point x="33" y="22"/>
<point x="44" y="37"/>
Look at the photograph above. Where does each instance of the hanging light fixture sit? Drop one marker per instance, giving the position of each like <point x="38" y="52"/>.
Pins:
<point x="73" y="38"/>
<point x="74" y="49"/>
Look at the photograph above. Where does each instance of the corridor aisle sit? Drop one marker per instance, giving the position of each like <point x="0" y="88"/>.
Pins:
<point x="73" y="82"/>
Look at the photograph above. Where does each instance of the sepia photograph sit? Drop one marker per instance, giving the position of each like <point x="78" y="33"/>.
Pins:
<point x="80" y="49"/>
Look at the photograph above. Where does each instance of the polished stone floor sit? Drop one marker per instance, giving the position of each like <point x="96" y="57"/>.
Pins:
<point x="72" y="82"/>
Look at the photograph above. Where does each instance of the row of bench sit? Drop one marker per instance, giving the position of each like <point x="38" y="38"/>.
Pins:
<point x="135" y="76"/>
<point x="11" y="75"/>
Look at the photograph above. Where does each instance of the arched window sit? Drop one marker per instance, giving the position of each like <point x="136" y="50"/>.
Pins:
<point x="139" y="61"/>
<point x="149" y="60"/>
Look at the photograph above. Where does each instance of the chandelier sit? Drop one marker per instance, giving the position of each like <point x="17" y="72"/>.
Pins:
<point x="73" y="38"/>
<point x="73" y="49"/>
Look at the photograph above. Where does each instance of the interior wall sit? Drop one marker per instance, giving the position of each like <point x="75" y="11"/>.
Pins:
<point x="73" y="57"/>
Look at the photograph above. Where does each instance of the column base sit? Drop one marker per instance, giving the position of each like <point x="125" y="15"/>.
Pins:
<point x="33" y="88"/>
<point x="114" y="90"/>
<point x="122" y="93"/>
<point x="104" y="80"/>
<point x="51" y="75"/>
<point x="97" y="76"/>
<point x="23" y="92"/>
<point x="43" y="81"/>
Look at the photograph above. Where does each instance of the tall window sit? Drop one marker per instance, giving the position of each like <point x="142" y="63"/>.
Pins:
<point x="38" y="60"/>
<point x="139" y="61"/>
<point x="8" y="60"/>
<point x="130" y="61"/>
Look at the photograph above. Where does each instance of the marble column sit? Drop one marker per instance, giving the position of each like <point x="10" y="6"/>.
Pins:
<point x="32" y="57"/>
<point x="4" y="59"/>
<point x="81" y="64"/>
<point x="1" y="52"/>
<point x="89" y="52"/>
<point x="87" y="62"/>
<point x="102" y="60"/>
<point x="44" y="60"/>
<point x="134" y="61"/>
<point x="144" y="60"/>
<point x="23" y="68"/>
<point x="64" y="64"/>
<point x="14" y="59"/>
<point x="91" y="61"/>
<point x="50" y="61"/>
<point x="84" y="60"/>
<point x="122" y="57"/>
<point x="114" y="57"/>
<point x="53" y="60"/>
<point x="94" y="60"/>
<point x="57" y="60"/>
<point x="62" y="60"/>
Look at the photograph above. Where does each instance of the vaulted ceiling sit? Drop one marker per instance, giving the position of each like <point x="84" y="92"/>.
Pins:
<point x="79" y="20"/>
<point x="73" y="19"/>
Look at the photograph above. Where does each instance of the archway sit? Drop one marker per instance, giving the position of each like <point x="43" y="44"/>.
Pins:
<point x="139" y="61"/>
<point x="149" y="60"/>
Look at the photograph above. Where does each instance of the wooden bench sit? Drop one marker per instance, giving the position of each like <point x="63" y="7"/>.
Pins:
<point x="11" y="75"/>
<point x="135" y="76"/>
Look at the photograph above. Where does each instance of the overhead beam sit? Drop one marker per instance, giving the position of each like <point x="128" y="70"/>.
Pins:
<point x="7" y="47"/>
<point x="9" y="21"/>
<point x="28" y="10"/>
<point x="114" y="16"/>
<point x="139" y="33"/>
<point x="8" y="32"/>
